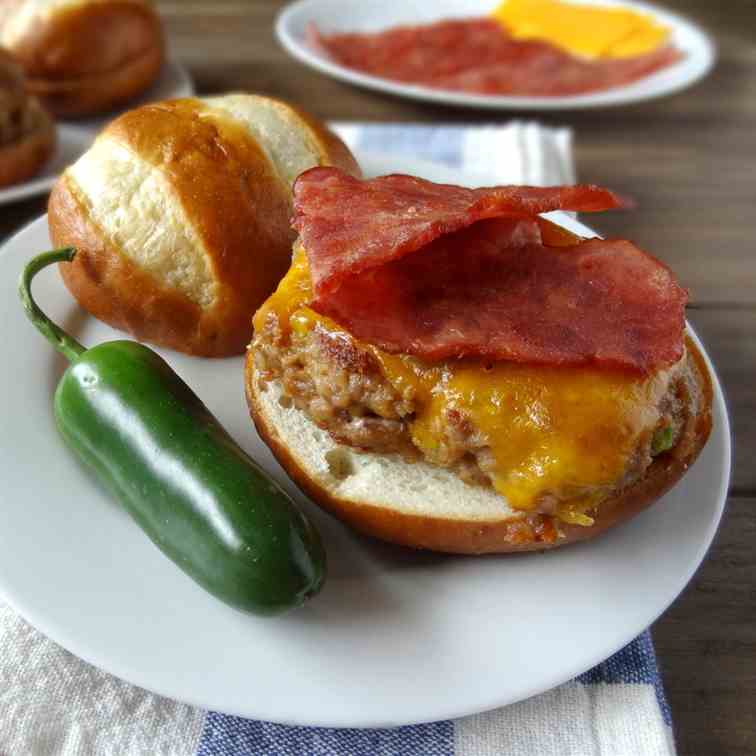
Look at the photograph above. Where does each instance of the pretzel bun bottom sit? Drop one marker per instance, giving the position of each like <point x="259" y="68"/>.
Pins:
<point x="426" y="507"/>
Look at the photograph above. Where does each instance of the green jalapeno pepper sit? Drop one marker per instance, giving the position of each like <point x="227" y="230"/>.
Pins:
<point x="200" y="498"/>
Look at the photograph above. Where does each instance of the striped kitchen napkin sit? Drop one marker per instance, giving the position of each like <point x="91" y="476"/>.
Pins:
<point x="53" y="704"/>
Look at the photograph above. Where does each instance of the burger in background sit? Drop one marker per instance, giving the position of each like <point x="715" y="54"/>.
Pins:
<point x="27" y="133"/>
<point x="84" y="57"/>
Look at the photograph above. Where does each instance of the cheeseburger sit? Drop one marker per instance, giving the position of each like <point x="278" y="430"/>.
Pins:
<point x="444" y="368"/>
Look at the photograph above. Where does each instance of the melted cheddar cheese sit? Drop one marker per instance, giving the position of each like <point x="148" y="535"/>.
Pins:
<point x="590" y="31"/>
<point x="567" y="433"/>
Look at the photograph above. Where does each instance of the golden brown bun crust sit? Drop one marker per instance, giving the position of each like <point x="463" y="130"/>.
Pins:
<point x="124" y="53"/>
<point x="22" y="159"/>
<point x="237" y="205"/>
<point x="532" y="534"/>
<point x="96" y="278"/>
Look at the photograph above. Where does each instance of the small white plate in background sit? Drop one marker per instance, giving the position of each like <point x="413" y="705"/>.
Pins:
<point x="336" y="16"/>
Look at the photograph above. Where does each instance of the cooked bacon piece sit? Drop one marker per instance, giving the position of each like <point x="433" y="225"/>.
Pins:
<point x="476" y="55"/>
<point x="442" y="271"/>
<point x="361" y="224"/>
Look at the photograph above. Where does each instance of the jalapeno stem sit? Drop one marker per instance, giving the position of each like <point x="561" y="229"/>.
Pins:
<point x="65" y="344"/>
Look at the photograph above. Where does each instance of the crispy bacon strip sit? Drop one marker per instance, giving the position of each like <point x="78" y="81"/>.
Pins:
<point x="442" y="271"/>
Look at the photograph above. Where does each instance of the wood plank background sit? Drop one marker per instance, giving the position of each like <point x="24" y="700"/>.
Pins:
<point x="690" y="162"/>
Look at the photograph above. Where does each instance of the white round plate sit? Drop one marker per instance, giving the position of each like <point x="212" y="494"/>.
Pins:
<point x="334" y="16"/>
<point x="74" y="137"/>
<point x="396" y="636"/>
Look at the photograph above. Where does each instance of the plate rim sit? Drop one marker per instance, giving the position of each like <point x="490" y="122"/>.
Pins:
<point x="613" y="97"/>
<point x="452" y="711"/>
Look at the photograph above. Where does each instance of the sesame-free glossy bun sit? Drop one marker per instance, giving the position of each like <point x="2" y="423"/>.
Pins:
<point x="180" y="215"/>
<point x="84" y="57"/>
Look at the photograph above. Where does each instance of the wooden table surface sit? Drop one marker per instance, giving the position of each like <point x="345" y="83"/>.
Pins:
<point x="690" y="161"/>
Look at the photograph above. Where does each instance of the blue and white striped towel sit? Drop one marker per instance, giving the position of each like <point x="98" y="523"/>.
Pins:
<point x="52" y="704"/>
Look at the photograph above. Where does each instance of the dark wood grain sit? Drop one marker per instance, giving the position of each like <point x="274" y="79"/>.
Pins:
<point x="690" y="162"/>
<point x="729" y="334"/>
<point x="706" y="644"/>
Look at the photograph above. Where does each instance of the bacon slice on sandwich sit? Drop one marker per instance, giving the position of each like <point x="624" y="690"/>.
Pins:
<point x="439" y="271"/>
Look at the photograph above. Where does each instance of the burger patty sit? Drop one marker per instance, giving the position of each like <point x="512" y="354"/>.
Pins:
<point x="15" y="123"/>
<point x="14" y="110"/>
<point x="340" y="386"/>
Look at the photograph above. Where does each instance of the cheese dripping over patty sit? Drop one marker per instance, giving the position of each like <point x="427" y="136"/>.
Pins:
<point x="563" y="432"/>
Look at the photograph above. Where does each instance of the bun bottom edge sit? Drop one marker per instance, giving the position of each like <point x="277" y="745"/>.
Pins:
<point x="513" y="534"/>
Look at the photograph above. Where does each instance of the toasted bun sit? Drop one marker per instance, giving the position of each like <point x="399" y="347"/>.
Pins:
<point x="22" y="158"/>
<point x="427" y="507"/>
<point x="84" y="56"/>
<point x="180" y="215"/>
